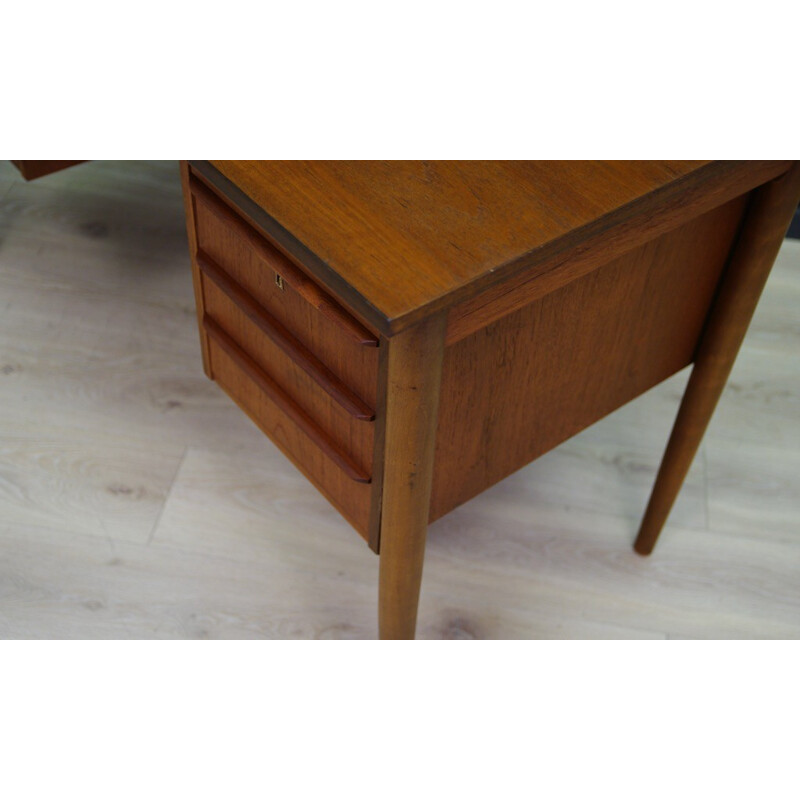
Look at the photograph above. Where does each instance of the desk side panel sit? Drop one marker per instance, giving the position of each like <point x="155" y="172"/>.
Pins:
<point x="527" y="382"/>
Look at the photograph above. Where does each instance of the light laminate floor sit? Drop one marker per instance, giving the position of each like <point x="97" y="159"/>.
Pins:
<point x="136" y="501"/>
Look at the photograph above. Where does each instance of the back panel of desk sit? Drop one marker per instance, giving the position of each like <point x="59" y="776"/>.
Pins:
<point x="520" y="386"/>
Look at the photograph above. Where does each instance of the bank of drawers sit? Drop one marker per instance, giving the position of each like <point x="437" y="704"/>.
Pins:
<point x="298" y="363"/>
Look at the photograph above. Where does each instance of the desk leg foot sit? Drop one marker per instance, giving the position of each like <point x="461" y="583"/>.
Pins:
<point x="412" y="406"/>
<point x="768" y="215"/>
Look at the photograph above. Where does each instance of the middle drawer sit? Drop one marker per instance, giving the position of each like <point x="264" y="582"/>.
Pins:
<point x="345" y="419"/>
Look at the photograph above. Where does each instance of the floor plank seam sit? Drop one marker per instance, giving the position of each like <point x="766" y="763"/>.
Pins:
<point x="704" y="459"/>
<point x="167" y="496"/>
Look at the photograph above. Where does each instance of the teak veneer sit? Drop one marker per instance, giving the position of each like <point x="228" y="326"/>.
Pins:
<point x="410" y="333"/>
<point x="30" y="170"/>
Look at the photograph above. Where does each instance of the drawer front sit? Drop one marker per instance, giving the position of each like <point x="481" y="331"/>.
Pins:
<point x="258" y="399"/>
<point x="324" y="328"/>
<point x="291" y="358"/>
<point x="345" y="420"/>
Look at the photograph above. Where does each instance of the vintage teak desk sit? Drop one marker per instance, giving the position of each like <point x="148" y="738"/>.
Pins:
<point x="410" y="333"/>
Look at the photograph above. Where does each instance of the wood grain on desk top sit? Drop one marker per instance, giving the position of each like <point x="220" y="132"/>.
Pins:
<point x="401" y="239"/>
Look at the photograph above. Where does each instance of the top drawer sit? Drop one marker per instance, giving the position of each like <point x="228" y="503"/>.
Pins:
<point x="345" y="346"/>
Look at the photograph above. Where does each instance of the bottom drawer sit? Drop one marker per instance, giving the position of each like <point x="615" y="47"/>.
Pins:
<point x="342" y="483"/>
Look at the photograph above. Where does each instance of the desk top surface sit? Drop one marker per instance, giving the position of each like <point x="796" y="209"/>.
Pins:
<point x="402" y="239"/>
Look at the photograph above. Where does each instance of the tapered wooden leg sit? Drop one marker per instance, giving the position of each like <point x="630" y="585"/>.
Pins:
<point x="768" y="216"/>
<point x="412" y="406"/>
